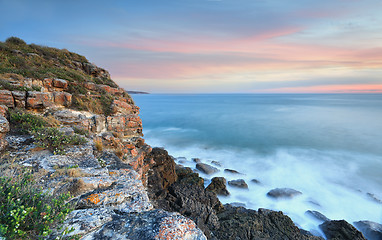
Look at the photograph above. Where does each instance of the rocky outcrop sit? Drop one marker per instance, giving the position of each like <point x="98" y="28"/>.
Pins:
<point x="218" y="186"/>
<point x="245" y="224"/>
<point x="340" y="230"/>
<point x="205" y="168"/>
<point x="239" y="183"/>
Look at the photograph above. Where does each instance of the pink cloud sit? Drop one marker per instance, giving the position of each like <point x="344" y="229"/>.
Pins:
<point x="345" y="88"/>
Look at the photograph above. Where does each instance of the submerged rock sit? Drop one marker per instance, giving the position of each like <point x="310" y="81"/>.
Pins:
<point x="317" y="215"/>
<point x="232" y="171"/>
<point x="283" y="193"/>
<point x="216" y="163"/>
<point x="240" y="183"/>
<point x="371" y="230"/>
<point x="207" y="169"/>
<point x="336" y="230"/>
<point x="255" y="181"/>
<point x="218" y="186"/>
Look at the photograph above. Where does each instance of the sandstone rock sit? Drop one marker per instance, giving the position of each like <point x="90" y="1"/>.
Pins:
<point x="95" y="71"/>
<point x="283" y="193"/>
<point x="6" y="98"/>
<point x="340" y="230"/>
<point x="205" y="168"/>
<point x="90" y="86"/>
<point x="121" y="107"/>
<point x="4" y="125"/>
<point x="371" y="230"/>
<point x="4" y="111"/>
<point x="38" y="100"/>
<point x="111" y="90"/>
<point x="218" y="186"/>
<point x="62" y="98"/>
<point x="232" y="171"/>
<point x="240" y="183"/>
<point x="152" y="225"/>
<point x="98" y="124"/>
<point x="246" y="224"/>
<point x="317" y="215"/>
<point x="126" y="124"/>
<point x="60" y="83"/>
<point x="48" y="84"/>
<point x="20" y="98"/>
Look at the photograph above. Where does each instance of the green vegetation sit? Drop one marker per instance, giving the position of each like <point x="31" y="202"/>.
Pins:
<point x="45" y="136"/>
<point x="26" y="212"/>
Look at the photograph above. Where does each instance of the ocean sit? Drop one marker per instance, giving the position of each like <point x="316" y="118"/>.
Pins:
<point x="327" y="146"/>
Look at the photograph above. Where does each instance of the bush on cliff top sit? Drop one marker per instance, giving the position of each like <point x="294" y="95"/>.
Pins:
<point x="44" y="136"/>
<point x="26" y="212"/>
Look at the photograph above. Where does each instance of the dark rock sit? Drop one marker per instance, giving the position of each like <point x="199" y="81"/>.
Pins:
<point x="340" y="230"/>
<point x="245" y="224"/>
<point x="371" y="230"/>
<point x="186" y="195"/>
<point x="317" y="215"/>
<point x="232" y="171"/>
<point x="255" y="181"/>
<point x="218" y="186"/>
<point x="205" y="168"/>
<point x="237" y="204"/>
<point x="283" y="193"/>
<point x="197" y="160"/>
<point x="216" y="163"/>
<point x="240" y="183"/>
<point x="374" y="198"/>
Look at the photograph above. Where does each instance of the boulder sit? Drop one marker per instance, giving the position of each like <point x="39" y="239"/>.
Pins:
<point x="255" y="181"/>
<point x="232" y="171"/>
<point x="121" y="107"/>
<point x="218" y="186"/>
<point x="317" y="215"/>
<point x="60" y="83"/>
<point x="151" y="225"/>
<point x="6" y="98"/>
<point x="340" y="230"/>
<point x="20" y="98"/>
<point x="4" y="128"/>
<point x="90" y="86"/>
<point x="239" y="183"/>
<point x="283" y="193"/>
<point x="196" y="160"/>
<point x="62" y="98"/>
<point x="4" y="111"/>
<point x="205" y="168"/>
<point x="39" y="100"/>
<point x="371" y="230"/>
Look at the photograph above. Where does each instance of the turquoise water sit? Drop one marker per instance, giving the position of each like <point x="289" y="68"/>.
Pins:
<point x="328" y="146"/>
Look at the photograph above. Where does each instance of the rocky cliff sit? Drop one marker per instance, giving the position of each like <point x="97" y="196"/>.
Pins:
<point x="67" y="123"/>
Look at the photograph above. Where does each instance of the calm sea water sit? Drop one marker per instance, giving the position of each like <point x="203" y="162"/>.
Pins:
<point x="328" y="146"/>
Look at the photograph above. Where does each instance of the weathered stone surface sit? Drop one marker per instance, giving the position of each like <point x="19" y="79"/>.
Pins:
<point x="90" y="86"/>
<point x="283" y="193"/>
<point x="39" y="100"/>
<point x="205" y="168"/>
<point x="6" y="98"/>
<point x="111" y="90"/>
<point x="245" y="224"/>
<point x="218" y="186"/>
<point x="60" y="83"/>
<point x="20" y="98"/>
<point x="371" y="230"/>
<point x="84" y="221"/>
<point x="121" y="107"/>
<point x="232" y="171"/>
<point x="340" y="230"/>
<point x="240" y="183"/>
<point x="126" y="194"/>
<point x="4" y="111"/>
<point x="317" y="215"/>
<point x="95" y="71"/>
<point x="4" y="125"/>
<point x="152" y="225"/>
<point x="62" y="98"/>
<point x="126" y="124"/>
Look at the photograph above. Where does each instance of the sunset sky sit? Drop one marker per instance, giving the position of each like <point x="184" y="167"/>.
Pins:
<point x="214" y="46"/>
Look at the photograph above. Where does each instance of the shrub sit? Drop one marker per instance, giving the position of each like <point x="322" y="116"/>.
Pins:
<point x="55" y="140"/>
<point x="15" y="40"/>
<point x="26" y="122"/>
<point x="27" y="212"/>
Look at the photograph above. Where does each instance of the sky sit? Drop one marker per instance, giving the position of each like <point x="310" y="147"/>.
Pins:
<point x="214" y="46"/>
